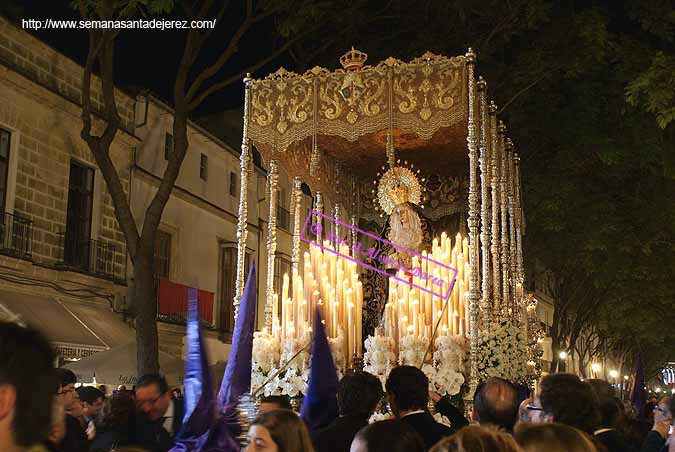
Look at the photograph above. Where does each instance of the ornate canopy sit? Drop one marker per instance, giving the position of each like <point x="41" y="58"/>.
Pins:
<point x="350" y="114"/>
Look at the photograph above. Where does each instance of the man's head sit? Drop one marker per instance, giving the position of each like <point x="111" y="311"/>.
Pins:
<point x="92" y="400"/>
<point x="27" y="386"/>
<point x="153" y="396"/>
<point x="610" y="412"/>
<point x="407" y="389"/>
<point x="67" y="379"/>
<point x="496" y="402"/>
<point x="568" y="400"/>
<point x="275" y="402"/>
<point x="662" y="410"/>
<point x="358" y="394"/>
<point x="601" y="387"/>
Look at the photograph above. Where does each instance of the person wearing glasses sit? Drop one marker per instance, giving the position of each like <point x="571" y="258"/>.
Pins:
<point x="75" y="439"/>
<point x="658" y="438"/>
<point x="160" y="414"/>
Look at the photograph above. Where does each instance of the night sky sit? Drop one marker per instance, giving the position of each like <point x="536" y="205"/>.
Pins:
<point x="149" y="58"/>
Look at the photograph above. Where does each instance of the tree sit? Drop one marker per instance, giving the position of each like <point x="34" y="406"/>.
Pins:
<point x="193" y="84"/>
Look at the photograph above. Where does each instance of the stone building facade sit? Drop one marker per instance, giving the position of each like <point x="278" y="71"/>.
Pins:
<point x="62" y="255"/>
<point x="197" y="244"/>
<point x="63" y="263"/>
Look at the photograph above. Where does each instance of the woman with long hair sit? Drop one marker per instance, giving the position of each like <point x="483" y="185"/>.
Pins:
<point x="553" y="438"/>
<point x="475" y="438"/>
<point x="117" y="424"/>
<point x="278" y="431"/>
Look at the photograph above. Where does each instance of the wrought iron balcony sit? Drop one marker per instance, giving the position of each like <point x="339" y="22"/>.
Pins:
<point x="16" y="236"/>
<point x="95" y="257"/>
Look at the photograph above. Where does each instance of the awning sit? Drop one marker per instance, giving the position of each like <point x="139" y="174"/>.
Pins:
<point x="117" y="366"/>
<point x="106" y="325"/>
<point x="76" y="330"/>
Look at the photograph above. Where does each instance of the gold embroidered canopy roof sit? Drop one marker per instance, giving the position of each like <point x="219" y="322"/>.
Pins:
<point x="349" y="114"/>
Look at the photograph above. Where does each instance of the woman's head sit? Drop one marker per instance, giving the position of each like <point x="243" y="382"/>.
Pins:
<point x="477" y="439"/>
<point x="387" y="436"/>
<point x="278" y="431"/>
<point x="553" y="438"/>
<point x="117" y="412"/>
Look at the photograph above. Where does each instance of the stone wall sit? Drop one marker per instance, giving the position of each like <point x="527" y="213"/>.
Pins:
<point x="40" y="107"/>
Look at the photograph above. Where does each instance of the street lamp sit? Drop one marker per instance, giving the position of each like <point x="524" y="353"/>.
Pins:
<point x="613" y="374"/>
<point x="563" y="355"/>
<point x="596" y="368"/>
<point x="625" y="377"/>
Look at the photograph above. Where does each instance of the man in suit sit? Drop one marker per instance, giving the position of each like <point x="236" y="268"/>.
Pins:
<point x="358" y="396"/>
<point x="408" y="393"/>
<point x="161" y="415"/>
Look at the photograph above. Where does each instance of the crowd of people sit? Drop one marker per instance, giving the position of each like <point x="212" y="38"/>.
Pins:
<point x="41" y="410"/>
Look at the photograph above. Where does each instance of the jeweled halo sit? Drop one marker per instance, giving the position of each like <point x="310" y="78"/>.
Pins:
<point x="398" y="185"/>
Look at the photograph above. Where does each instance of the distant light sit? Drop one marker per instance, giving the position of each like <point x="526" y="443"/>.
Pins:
<point x="658" y="390"/>
<point x="563" y="355"/>
<point x="672" y="391"/>
<point x="625" y="377"/>
<point x="596" y="367"/>
<point x="613" y="373"/>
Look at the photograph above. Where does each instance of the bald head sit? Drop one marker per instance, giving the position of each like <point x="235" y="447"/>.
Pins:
<point x="496" y="402"/>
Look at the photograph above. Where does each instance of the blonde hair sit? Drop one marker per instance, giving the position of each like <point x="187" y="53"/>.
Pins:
<point x="553" y="438"/>
<point x="475" y="438"/>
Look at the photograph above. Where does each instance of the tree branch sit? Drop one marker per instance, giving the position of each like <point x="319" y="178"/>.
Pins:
<point x="527" y="88"/>
<point x="100" y="145"/>
<point x="230" y="50"/>
<point x="237" y="77"/>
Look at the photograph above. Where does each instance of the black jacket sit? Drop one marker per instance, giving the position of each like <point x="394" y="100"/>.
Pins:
<point x="430" y="430"/>
<point x="75" y="439"/>
<point x="614" y="441"/>
<point x="654" y="443"/>
<point x="454" y="415"/>
<point x="338" y="436"/>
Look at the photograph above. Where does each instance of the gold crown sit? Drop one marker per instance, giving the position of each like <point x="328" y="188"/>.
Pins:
<point x="353" y="60"/>
<point x="398" y="185"/>
<point x="399" y="193"/>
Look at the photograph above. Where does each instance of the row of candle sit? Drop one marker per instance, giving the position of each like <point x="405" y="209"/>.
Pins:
<point x="412" y="310"/>
<point x="329" y="282"/>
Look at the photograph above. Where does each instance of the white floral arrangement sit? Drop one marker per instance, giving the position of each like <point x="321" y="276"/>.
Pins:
<point x="267" y="361"/>
<point x="412" y="350"/>
<point x="265" y="352"/>
<point x="446" y="371"/>
<point x="503" y="353"/>
<point x="379" y="357"/>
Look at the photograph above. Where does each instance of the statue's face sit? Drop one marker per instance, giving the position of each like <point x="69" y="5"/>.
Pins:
<point x="403" y="212"/>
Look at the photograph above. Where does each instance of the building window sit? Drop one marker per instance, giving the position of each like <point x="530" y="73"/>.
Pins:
<point x="281" y="266"/>
<point x="78" y="219"/>
<point x="203" y="166"/>
<point x="228" y="276"/>
<point x="162" y="255"/>
<point x="283" y="215"/>
<point x="4" y="167"/>
<point x="233" y="184"/>
<point x="168" y="146"/>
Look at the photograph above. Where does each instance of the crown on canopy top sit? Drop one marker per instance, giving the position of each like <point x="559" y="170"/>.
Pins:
<point x="353" y="60"/>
